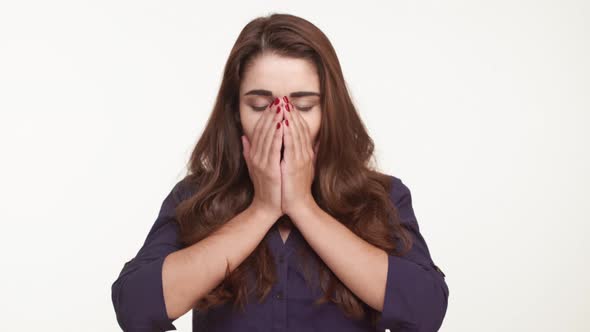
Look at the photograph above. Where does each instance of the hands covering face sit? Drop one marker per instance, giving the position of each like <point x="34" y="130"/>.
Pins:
<point x="296" y="157"/>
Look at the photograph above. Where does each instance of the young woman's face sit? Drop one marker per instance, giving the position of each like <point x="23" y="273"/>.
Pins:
<point x="271" y="76"/>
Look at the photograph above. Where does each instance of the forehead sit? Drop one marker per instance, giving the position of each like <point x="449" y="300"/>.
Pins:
<point x="280" y="75"/>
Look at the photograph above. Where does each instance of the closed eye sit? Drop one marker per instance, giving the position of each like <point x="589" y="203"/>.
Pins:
<point x="261" y="108"/>
<point x="304" y="109"/>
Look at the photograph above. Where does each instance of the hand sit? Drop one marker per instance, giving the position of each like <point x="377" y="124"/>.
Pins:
<point x="263" y="158"/>
<point x="298" y="164"/>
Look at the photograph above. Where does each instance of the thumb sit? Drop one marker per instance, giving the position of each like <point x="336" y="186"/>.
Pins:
<point x="245" y="145"/>
<point x="315" y="151"/>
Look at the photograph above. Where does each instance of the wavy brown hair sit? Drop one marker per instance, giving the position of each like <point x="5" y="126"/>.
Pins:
<point x="345" y="184"/>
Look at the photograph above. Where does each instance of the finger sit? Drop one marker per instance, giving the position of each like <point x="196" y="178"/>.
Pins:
<point x="288" y="142"/>
<point x="306" y="134"/>
<point x="245" y="146"/>
<point x="263" y="131"/>
<point x="277" y="142"/>
<point x="270" y="135"/>
<point x="295" y="140"/>
<point x="297" y="133"/>
<point x="258" y="125"/>
<point x="316" y="147"/>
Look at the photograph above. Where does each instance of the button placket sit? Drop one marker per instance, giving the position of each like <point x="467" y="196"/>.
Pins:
<point x="279" y="297"/>
<point x="285" y="292"/>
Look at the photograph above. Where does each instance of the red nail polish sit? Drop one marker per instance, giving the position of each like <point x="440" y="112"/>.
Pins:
<point x="287" y="123"/>
<point x="287" y="107"/>
<point x="276" y="101"/>
<point x="278" y="109"/>
<point x="286" y="99"/>
<point x="278" y="125"/>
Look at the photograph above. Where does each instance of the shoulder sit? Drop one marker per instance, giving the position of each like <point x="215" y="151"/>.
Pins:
<point x="183" y="189"/>
<point x="398" y="190"/>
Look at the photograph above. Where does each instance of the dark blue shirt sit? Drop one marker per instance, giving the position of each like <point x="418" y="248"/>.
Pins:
<point x="415" y="297"/>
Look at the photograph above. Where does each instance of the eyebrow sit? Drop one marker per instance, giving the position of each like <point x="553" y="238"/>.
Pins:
<point x="267" y="93"/>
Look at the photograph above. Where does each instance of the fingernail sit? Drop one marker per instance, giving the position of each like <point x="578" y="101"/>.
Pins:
<point x="276" y="101"/>
<point x="286" y="99"/>
<point x="287" y="107"/>
<point x="287" y="123"/>
<point x="278" y="109"/>
<point x="278" y="125"/>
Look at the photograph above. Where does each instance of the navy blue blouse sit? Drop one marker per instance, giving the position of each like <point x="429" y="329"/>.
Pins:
<point x="415" y="297"/>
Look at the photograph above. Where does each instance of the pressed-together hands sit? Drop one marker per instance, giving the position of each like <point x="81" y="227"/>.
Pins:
<point x="281" y="186"/>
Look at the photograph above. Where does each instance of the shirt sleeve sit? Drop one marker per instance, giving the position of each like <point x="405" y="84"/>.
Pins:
<point x="416" y="294"/>
<point x="137" y="293"/>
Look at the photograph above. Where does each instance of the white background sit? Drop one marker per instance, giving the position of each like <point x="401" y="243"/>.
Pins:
<point x="481" y="108"/>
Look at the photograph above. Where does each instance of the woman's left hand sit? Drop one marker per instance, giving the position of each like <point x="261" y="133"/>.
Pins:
<point x="298" y="164"/>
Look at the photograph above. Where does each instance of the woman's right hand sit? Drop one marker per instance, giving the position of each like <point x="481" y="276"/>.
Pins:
<point x="263" y="157"/>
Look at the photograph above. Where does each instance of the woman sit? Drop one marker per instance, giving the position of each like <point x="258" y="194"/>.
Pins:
<point x="280" y="223"/>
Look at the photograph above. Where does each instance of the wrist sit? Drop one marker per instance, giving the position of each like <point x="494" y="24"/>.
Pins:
<point x="264" y="213"/>
<point x="304" y="208"/>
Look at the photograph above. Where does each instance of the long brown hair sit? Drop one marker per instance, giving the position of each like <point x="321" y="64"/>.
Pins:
<point x="345" y="183"/>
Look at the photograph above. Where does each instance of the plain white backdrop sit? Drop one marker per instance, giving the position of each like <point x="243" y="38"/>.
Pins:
<point x="481" y="108"/>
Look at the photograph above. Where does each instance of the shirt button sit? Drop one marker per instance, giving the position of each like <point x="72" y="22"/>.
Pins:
<point x="279" y="295"/>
